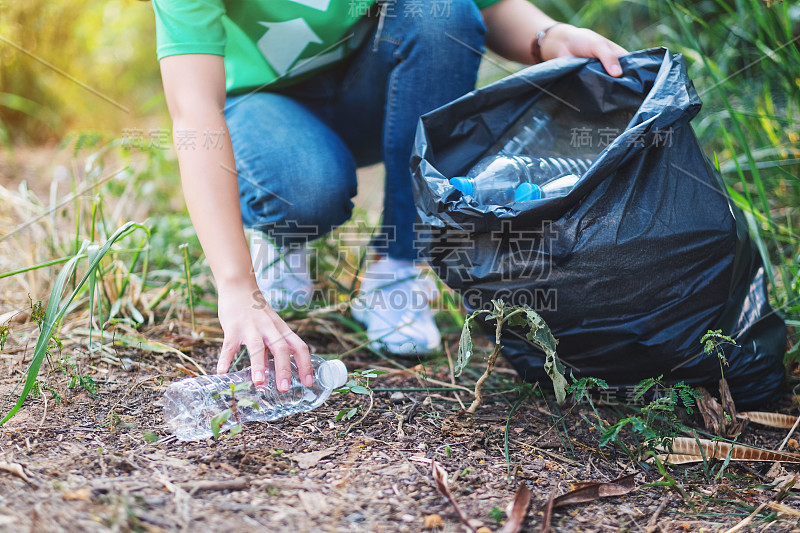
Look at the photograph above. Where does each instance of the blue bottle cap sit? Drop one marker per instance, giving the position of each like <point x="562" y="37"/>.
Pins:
<point x="527" y="191"/>
<point x="462" y="184"/>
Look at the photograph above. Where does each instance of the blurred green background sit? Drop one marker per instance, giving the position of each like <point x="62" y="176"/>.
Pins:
<point x="107" y="45"/>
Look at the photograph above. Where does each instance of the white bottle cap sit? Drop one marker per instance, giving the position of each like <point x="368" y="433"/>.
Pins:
<point x="333" y="374"/>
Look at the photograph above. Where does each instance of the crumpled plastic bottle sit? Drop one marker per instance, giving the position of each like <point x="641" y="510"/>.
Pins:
<point x="190" y="404"/>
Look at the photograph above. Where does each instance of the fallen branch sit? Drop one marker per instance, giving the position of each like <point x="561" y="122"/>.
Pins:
<point x="211" y="485"/>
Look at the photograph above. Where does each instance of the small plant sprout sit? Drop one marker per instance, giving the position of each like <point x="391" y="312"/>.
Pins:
<point x="233" y="411"/>
<point x="538" y="333"/>
<point x="4" y="332"/>
<point x="714" y="343"/>
<point x="656" y="424"/>
<point x="497" y="515"/>
<point x="190" y="298"/>
<point x="580" y="388"/>
<point x="358" y="384"/>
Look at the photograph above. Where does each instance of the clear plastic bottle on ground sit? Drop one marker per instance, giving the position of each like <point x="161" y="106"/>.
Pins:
<point x="496" y="180"/>
<point x="190" y="404"/>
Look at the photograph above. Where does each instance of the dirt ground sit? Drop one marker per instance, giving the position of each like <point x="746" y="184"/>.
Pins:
<point x="107" y="463"/>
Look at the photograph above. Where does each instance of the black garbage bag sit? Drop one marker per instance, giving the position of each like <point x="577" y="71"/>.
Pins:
<point x="634" y="265"/>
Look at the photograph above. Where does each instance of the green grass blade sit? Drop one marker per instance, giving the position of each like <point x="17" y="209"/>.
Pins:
<point x="54" y="313"/>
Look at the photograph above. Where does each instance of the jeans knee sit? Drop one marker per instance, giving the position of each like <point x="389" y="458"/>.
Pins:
<point x="298" y="209"/>
<point x="446" y="23"/>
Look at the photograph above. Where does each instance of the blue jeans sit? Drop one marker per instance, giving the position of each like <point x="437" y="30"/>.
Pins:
<point x="297" y="149"/>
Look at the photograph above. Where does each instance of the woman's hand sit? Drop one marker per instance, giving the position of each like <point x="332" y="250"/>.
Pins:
<point x="194" y="85"/>
<point x="565" y="40"/>
<point x="248" y="320"/>
<point x="513" y="27"/>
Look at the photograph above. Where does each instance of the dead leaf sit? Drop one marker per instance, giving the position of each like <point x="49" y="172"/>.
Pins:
<point x="15" y="468"/>
<point x="719" y="419"/>
<point x="686" y="450"/>
<point x="773" y="420"/>
<point x="79" y="495"/>
<point x="780" y="482"/>
<point x="519" y="509"/>
<point x="784" y="511"/>
<point x="310" y="459"/>
<point x="433" y="521"/>
<point x="313" y="502"/>
<point x="17" y="317"/>
<point x="784" y="488"/>
<point x="183" y="342"/>
<point x="548" y="512"/>
<point x="589" y="492"/>
<point x="775" y="471"/>
<point x="439" y="475"/>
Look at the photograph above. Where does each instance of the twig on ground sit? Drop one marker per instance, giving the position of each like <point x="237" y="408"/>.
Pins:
<point x="747" y="520"/>
<point x="652" y="524"/>
<point x="371" y="403"/>
<point x="488" y="371"/>
<point x="445" y="384"/>
<point x="788" y="435"/>
<point x="439" y="475"/>
<point x="452" y="376"/>
<point x="211" y="485"/>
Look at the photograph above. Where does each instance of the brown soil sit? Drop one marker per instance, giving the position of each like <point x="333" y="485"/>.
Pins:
<point x="90" y="465"/>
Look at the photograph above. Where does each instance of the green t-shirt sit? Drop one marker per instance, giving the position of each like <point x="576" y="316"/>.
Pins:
<point x="272" y="43"/>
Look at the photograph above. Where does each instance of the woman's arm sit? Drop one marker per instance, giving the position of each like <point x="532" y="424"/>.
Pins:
<point x="195" y="89"/>
<point x="512" y="26"/>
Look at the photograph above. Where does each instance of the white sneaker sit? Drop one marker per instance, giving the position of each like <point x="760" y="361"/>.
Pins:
<point x="393" y="305"/>
<point x="282" y="276"/>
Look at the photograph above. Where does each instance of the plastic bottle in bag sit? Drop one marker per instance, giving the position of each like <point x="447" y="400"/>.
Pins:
<point x="533" y="134"/>
<point x="553" y="188"/>
<point x="190" y="404"/>
<point x="496" y="180"/>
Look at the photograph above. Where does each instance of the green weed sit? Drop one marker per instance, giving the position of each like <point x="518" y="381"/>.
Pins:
<point x="57" y="307"/>
<point x="219" y="419"/>
<point x="538" y="333"/>
<point x="5" y="331"/>
<point x="358" y="384"/>
<point x="657" y="422"/>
